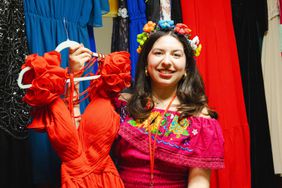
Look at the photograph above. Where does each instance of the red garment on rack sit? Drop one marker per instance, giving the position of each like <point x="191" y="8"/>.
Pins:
<point x="84" y="152"/>
<point x="219" y="66"/>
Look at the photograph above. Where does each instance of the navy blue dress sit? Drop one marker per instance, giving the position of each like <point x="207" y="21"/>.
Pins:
<point x="45" y="29"/>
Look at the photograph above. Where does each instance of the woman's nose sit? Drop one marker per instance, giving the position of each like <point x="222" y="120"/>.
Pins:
<point x="166" y="62"/>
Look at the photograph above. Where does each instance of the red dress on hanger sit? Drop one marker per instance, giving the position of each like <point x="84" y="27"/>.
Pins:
<point x="84" y="152"/>
<point x="219" y="66"/>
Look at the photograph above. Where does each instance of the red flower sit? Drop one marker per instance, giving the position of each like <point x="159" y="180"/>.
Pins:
<point x="182" y="29"/>
<point x="115" y="75"/>
<point x="47" y="79"/>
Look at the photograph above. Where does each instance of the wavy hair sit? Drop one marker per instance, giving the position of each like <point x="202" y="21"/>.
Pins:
<point x="190" y="90"/>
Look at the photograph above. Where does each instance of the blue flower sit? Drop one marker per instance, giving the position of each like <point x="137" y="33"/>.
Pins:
<point x="166" y="24"/>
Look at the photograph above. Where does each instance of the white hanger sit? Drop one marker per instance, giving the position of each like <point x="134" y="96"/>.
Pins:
<point x="66" y="44"/>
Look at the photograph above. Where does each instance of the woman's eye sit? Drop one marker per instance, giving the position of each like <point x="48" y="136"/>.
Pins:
<point x="177" y="55"/>
<point x="158" y="53"/>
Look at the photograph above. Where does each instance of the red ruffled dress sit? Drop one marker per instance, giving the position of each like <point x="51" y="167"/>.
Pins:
<point x="192" y="142"/>
<point x="84" y="152"/>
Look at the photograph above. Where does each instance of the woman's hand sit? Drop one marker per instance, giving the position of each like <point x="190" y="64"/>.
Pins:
<point x="78" y="55"/>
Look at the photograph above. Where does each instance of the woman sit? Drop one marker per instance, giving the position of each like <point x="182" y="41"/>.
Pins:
<point x="168" y="137"/>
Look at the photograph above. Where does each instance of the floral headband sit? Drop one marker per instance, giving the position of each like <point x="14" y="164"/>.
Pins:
<point x="163" y="25"/>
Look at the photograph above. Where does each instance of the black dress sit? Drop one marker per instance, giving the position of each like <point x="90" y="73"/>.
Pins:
<point x="120" y="29"/>
<point x="15" y="170"/>
<point x="250" y="23"/>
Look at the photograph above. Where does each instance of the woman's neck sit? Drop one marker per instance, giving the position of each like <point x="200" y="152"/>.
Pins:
<point x="162" y="97"/>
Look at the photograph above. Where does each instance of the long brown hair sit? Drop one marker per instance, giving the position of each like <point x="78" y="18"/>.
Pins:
<point x="190" y="90"/>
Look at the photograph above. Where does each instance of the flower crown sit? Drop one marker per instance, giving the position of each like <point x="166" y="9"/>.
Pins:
<point x="165" y="25"/>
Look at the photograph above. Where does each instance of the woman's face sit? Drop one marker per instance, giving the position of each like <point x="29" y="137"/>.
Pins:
<point x="166" y="62"/>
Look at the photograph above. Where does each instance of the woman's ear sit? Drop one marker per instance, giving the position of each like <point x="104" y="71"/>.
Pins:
<point x="146" y="71"/>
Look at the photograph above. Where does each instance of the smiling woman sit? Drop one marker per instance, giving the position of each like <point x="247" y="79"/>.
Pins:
<point x="166" y="63"/>
<point x="168" y="137"/>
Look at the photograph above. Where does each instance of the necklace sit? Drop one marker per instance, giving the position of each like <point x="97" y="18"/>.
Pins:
<point x="152" y="147"/>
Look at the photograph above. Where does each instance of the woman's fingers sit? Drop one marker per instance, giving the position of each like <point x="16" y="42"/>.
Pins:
<point x="78" y="56"/>
<point x="76" y="50"/>
<point x="72" y="49"/>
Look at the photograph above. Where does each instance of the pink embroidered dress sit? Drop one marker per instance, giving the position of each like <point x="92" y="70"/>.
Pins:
<point x="192" y="142"/>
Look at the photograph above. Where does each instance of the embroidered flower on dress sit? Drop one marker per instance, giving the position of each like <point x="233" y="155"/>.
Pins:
<point x="179" y="129"/>
<point x="195" y="131"/>
<point x="169" y="127"/>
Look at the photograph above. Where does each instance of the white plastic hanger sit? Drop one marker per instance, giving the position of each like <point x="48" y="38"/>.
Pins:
<point x="66" y="44"/>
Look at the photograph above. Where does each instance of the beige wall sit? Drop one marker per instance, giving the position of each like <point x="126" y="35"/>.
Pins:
<point x="103" y="36"/>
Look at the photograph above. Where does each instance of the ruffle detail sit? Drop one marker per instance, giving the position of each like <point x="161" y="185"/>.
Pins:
<point x="202" y="145"/>
<point x="47" y="78"/>
<point x="115" y="75"/>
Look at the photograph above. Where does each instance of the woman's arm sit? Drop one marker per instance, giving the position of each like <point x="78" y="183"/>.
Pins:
<point x="199" y="178"/>
<point x="78" y="55"/>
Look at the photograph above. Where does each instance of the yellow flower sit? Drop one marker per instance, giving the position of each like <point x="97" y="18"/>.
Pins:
<point x="198" y="50"/>
<point x="139" y="49"/>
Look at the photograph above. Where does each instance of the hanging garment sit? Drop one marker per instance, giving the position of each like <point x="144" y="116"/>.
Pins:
<point x="153" y="12"/>
<point x="154" y="9"/>
<point x="250" y="23"/>
<point x="280" y="26"/>
<point x="113" y="5"/>
<point x="271" y="69"/>
<point x="218" y="64"/>
<point x="120" y="29"/>
<point x="137" y="19"/>
<point x="15" y="166"/>
<point x="48" y="23"/>
<point x="165" y="9"/>
<point x="176" y="11"/>
<point x="84" y="152"/>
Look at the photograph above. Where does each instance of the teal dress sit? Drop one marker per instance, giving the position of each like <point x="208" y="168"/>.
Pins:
<point x="48" y="23"/>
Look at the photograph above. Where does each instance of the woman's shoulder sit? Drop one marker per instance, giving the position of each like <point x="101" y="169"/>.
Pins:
<point x="120" y="104"/>
<point x="204" y="120"/>
<point x="121" y="100"/>
<point x="124" y="97"/>
<point x="204" y="113"/>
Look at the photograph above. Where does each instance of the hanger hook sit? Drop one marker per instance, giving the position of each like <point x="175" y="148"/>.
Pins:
<point x="65" y="27"/>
